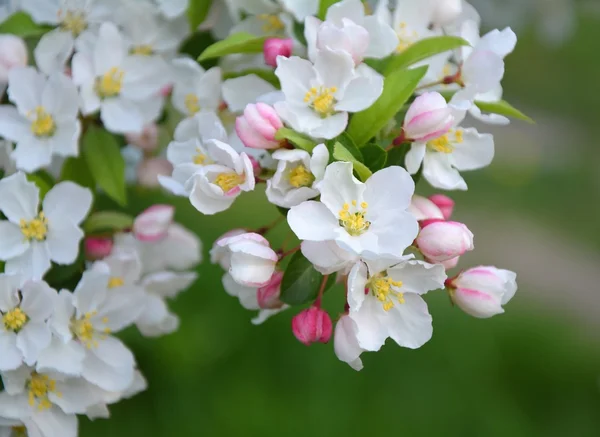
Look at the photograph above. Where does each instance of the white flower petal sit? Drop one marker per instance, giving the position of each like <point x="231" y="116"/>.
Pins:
<point x="110" y="366"/>
<point x="13" y="126"/>
<point x="312" y="221"/>
<point x="32" y="339"/>
<point x="67" y="200"/>
<point x="32" y="264"/>
<point x="382" y="38"/>
<point x="110" y="50"/>
<point x="360" y="94"/>
<point x="295" y="75"/>
<point x="38" y="300"/>
<point x="11" y="357"/>
<point x="25" y="87"/>
<point x="339" y="186"/>
<point x="474" y="152"/>
<point x="13" y="243"/>
<point x="389" y="189"/>
<point x="63" y="240"/>
<point x="18" y="198"/>
<point x="121" y="116"/>
<point x="53" y="50"/>
<point x="418" y="277"/>
<point x="345" y="343"/>
<point x="438" y="171"/>
<point x="414" y="157"/>
<point x="327" y="257"/>
<point x="357" y="283"/>
<point x="243" y="90"/>
<point x="66" y="358"/>
<point x="411" y="326"/>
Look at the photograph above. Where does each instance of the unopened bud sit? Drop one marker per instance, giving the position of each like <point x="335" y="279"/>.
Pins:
<point x="424" y="209"/>
<point x="146" y="140"/>
<point x="13" y="53"/>
<point x="153" y="224"/>
<point x="482" y="291"/>
<point x="444" y="203"/>
<point x="268" y="295"/>
<point x="312" y="325"/>
<point x="258" y="125"/>
<point x="274" y="47"/>
<point x="149" y="170"/>
<point x="451" y="263"/>
<point x="440" y="241"/>
<point x="97" y="248"/>
<point x="428" y="117"/>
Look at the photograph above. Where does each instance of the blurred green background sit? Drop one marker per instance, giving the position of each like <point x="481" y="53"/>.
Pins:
<point x="534" y="371"/>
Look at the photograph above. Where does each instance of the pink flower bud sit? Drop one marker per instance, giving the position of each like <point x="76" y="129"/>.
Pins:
<point x="146" y="140"/>
<point x="13" y="53"/>
<point x="153" y="224"/>
<point x="149" y="170"/>
<point x="428" y="117"/>
<point x="451" y="263"/>
<point x="97" y="248"/>
<point x="258" y="126"/>
<point x="444" y="203"/>
<point x="268" y="295"/>
<point x="274" y="47"/>
<point x="446" y="11"/>
<point x="312" y="325"/>
<point x="440" y="241"/>
<point x="424" y="209"/>
<point x="481" y="291"/>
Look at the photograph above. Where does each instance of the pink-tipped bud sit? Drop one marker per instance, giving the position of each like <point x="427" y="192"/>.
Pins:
<point x="98" y="248"/>
<point x="153" y="224"/>
<point x="440" y="241"/>
<point x="268" y="295"/>
<point x="451" y="263"/>
<point x="481" y="291"/>
<point x="274" y="47"/>
<point x="428" y="117"/>
<point x="13" y="53"/>
<point x="444" y="203"/>
<point x="258" y="126"/>
<point x="146" y="140"/>
<point x="424" y="209"/>
<point x="312" y="325"/>
<point x="446" y="11"/>
<point x="149" y="170"/>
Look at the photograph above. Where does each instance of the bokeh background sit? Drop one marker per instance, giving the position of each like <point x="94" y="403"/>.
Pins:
<point x="534" y="371"/>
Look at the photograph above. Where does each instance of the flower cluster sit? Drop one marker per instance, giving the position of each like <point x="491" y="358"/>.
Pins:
<point x="336" y="109"/>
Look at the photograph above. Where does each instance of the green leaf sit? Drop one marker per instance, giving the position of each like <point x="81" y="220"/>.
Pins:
<point x="422" y="50"/>
<point x="197" y="12"/>
<point x="301" y="282"/>
<point x="298" y="30"/>
<point x="342" y="154"/>
<point x="43" y="181"/>
<point x="323" y="6"/>
<point x="76" y="170"/>
<point x="397" y="89"/>
<point x="241" y="42"/>
<point x="502" y="107"/>
<point x="397" y="155"/>
<point x="374" y="157"/>
<point x="103" y="157"/>
<point x="22" y="25"/>
<point x="299" y="140"/>
<point x="266" y="75"/>
<point x="107" y="221"/>
<point x="348" y="142"/>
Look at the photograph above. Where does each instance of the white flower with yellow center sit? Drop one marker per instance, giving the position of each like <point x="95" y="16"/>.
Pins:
<point x="297" y="176"/>
<point x="46" y="404"/>
<point x="86" y="318"/>
<point x="44" y="122"/>
<point x="24" y="310"/>
<point x="364" y="219"/>
<point x="76" y="23"/>
<point x="442" y="158"/>
<point x="31" y="237"/>
<point x="384" y="297"/>
<point x="123" y="87"/>
<point x="195" y="89"/>
<point x="319" y="97"/>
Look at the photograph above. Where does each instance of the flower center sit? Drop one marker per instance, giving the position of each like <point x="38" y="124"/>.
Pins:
<point x="42" y="124"/>
<point x="271" y="23"/>
<point x="110" y="83"/>
<point x="192" y="103"/>
<point x="228" y="181"/>
<point x="382" y="287"/>
<point x="73" y="21"/>
<point x="301" y="177"/>
<point x="143" y="50"/>
<point x="115" y="282"/>
<point x="321" y="100"/>
<point x="406" y="37"/>
<point x="39" y="386"/>
<point x="19" y="431"/>
<point x="14" y="320"/>
<point x="353" y="219"/>
<point x="445" y="143"/>
<point x="35" y="229"/>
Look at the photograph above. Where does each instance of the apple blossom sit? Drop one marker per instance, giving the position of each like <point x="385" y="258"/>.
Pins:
<point x="153" y="223"/>
<point x="441" y="240"/>
<point x="195" y="89"/>
<point x="444" y="203"/>
<point x="312" y="325"/>
<point x="428" y="117"/>
<point x="258" y="125"/>
<point x="345" y="342"/>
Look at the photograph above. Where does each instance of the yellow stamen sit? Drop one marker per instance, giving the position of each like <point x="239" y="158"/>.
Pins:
<point x="382" y="287"/>
<point x="111" y="83"/>
<point x="39" y="387"/>
<point x="192" y="103"/>
<point x="73" y="21"/>
<point x="406" y="37"/>
<point x="354" y="222"/>
<point x="228" y="181"/>
<point x="441" y="144"/>
<point x="84" y="330"/>
<point x="42" y="124"/>
<point x="301" y="177"/>
<point x="322" y="100"/>
<point x="35" y="229"/>
<point x="143" y="50"/>
<point x="272" y="23"/>
<point x="458" y="136"/>
<point x="14" y="320"/>
<point x="115" y="281"/>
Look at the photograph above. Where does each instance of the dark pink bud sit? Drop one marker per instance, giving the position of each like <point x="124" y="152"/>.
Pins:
<point x="444" y="203"/>
<point x="97" y="248"/>
<point x="312" y="325"/>
<point x="274" y="47"/>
